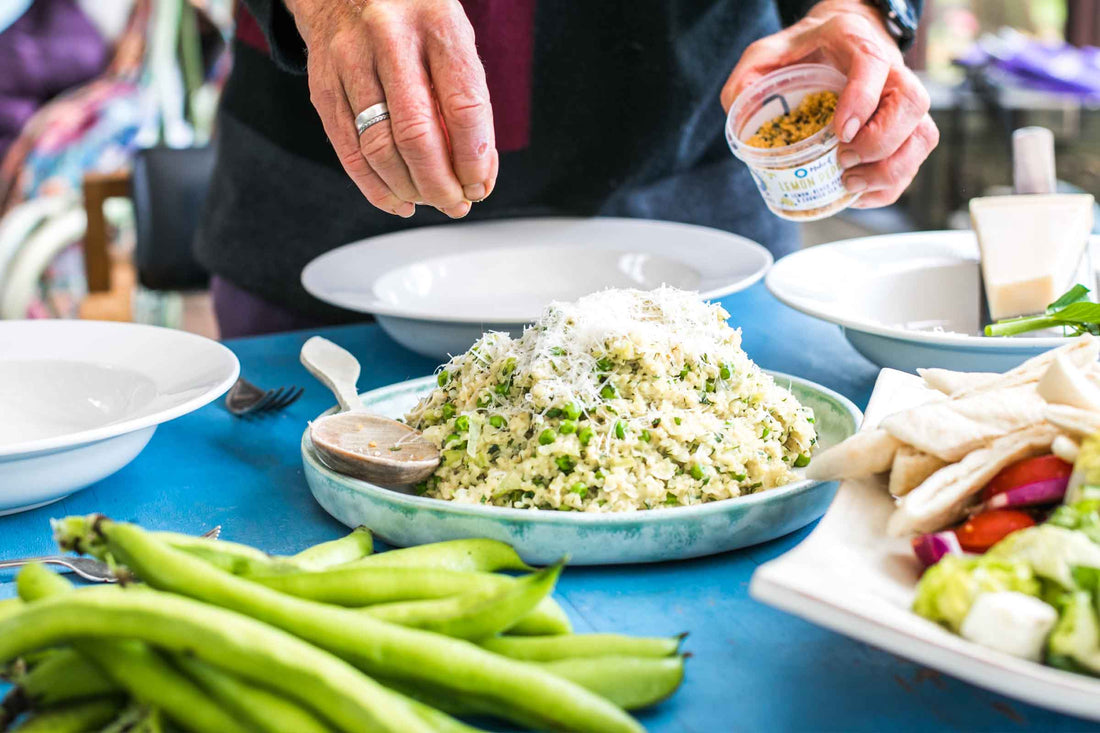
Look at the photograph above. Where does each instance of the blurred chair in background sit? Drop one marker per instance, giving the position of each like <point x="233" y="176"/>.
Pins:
<point x="159" y="91"/>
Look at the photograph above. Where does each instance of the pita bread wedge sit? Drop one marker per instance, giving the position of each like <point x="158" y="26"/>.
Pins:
<point x="1065" y="384"/>
<point x="1093" y="373"/>
<point x="1073" y="420"/>
<point x="949" y="382"/>
<point x="944" y="497"/>
<point x="1065" y="448"/>
<point x="952" y="428"/>
<point x="864" y="454"/>
<point x="1081" y="351"/>
<point x="911" y="467"/>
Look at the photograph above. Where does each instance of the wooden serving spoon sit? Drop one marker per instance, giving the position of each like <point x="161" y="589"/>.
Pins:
<point x="356" y="442"/>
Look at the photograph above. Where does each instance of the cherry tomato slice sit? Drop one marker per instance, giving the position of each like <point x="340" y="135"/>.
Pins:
<point x="1027" y="471"/>
<point x="984" y="530"/>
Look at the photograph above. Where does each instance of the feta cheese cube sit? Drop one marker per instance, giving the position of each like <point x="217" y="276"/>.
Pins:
<point x="1010" y="622"/>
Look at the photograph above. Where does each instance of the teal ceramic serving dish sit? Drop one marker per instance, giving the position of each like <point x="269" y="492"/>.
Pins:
<point x="541" y="537"/>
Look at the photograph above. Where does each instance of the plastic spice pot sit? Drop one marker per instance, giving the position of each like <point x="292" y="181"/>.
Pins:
<point x="801" y="181"/>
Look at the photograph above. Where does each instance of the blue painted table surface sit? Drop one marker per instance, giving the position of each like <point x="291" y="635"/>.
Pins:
<point x="753" y="668"/>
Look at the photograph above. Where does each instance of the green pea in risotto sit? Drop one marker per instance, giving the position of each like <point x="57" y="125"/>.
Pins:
<point x="622" y="400"/>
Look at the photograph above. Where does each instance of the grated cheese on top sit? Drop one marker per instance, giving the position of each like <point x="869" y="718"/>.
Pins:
<point x="607" y="404"/>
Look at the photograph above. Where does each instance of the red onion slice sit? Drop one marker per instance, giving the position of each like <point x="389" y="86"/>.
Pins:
<point x="930" y="548"/>
<point x="1047" y="491"/>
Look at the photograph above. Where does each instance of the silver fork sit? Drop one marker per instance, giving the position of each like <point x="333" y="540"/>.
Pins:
<point x="245" y="398"/>
<point x="86" y="567"/>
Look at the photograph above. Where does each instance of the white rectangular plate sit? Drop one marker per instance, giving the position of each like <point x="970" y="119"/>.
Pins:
<point x="849" y="576"/>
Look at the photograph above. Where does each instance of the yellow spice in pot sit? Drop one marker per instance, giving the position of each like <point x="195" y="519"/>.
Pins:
<point x="814" y="112"/>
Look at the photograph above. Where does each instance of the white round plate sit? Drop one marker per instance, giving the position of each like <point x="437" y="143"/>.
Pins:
<point x="543" y="536"/>
<point x="80" y="399"/>
<point x="436" y="289"/>
<point x="904" y="300"/>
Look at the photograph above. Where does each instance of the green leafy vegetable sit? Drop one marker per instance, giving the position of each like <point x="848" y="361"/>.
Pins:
<point x="1051" y="552"/>
<point x="1083" y="516"/>
<point x="949" y="587"/>
<point x="1075" y="642"/>
<point x="1072" y="311"/>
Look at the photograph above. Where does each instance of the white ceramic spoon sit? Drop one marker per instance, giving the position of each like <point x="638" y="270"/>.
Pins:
<point x="355" y="442"/>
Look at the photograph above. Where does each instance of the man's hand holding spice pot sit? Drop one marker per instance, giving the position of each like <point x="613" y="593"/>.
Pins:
<point x="882" y="114"/>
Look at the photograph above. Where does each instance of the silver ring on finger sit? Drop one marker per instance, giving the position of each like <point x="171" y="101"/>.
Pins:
<point x="371" y="116"/>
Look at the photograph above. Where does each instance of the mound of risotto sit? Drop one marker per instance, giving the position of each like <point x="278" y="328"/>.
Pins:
<point x="620" y="401"/>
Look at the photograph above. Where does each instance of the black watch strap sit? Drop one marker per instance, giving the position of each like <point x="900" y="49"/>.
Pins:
<point x="900" y="19"/>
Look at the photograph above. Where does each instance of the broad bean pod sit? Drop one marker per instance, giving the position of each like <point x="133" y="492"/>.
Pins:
<point x="264" y="710"/>
<point x="475" y="615"/>
<point x="356" y="545"/>
<point x="630" y="682"/>
<point x="139" y="670"/>
<point x="231" y="641"/>
<point x="373" y="645"/>
<point x="79" y="717"/>
<point x="64" y="676"/>
<point x="470" y="555"/>
<point x="359" y="585"/>
<point x="569" y="646"/>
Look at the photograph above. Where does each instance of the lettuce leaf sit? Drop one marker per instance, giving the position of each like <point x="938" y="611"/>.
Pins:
<point x="948" y="588"/>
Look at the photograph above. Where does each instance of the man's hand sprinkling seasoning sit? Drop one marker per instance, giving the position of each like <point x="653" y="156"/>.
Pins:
<point x="418" y="57"/>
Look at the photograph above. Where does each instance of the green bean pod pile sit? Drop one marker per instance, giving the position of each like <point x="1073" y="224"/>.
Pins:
<point x="208" y="635"/>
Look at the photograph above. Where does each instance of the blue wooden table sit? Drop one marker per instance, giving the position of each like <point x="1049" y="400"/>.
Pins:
<point x="753" y="668"/>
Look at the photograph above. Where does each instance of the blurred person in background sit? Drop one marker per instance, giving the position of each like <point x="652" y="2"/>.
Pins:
<point x="559" y="108"/>
<point x="46" y="47"/>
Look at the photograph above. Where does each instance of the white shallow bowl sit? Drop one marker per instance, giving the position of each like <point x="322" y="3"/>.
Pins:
<point x="904" y="300"/>
<point x="436" y="289"/>
<point x="849" y="576"/>
<point x="80" y="399"/>
<point x="543" y="536"/>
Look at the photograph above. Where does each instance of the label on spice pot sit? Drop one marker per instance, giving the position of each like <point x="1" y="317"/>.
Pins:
<point x="801" y="188"/>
